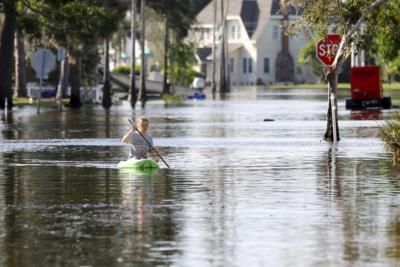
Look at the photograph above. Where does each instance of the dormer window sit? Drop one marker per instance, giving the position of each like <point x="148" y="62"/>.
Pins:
<point x="233" y="32"/>
<point x="206" y="34"/>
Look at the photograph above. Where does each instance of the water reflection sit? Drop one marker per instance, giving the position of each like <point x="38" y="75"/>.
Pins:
<point x="240" y="191"/>
<point x="357" y="196"/>
<point x="86" y="212"/>
<point x="366" y="114"/>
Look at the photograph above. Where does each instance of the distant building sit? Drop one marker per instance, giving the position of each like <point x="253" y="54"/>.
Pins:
<point x="258" y="51"/>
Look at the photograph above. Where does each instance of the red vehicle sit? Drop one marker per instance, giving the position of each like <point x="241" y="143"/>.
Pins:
<point x="366" y="89"/>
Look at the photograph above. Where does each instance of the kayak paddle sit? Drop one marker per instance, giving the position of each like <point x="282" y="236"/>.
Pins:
<point x="158" y="154"/>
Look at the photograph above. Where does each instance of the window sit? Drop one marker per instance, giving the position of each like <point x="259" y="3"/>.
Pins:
<point x="250" y="60"/>
<point x="201" y="35"/>
<point x="266" y="65"/>
<point x="244" y="65"/>
<point x="233" y="32"/>
<point x="275" y="32"/>
<point x="231" y="65"/>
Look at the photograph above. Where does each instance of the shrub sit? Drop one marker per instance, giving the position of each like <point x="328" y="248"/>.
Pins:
<point x="125" y="69"/>
<point x="390" y="134"/>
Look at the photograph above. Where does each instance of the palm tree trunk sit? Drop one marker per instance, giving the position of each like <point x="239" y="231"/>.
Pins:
<point x="6" y="54"/>
<point x="222" y="81"/>
<point x="20" y="64"/>
<point x="75" y="81"/>
<point x="106" y="85"/>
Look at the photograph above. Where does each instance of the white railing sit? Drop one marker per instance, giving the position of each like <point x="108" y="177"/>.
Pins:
<point x="93" y="94"/>
<point x="33" y="90"/>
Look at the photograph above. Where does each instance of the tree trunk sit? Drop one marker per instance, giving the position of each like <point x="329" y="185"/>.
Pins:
<point x="20" y="64"/>
<point x="66" y="75"/>
<point x="166" y="48"/>
<point x="332" y="78"/>
<point x="132" y="89"/>
<point x="106" y="78"/>
<point x="75" y="81"/>
<point x="6" y="54"/>
<point x="143" y="95"/>
<point x="62" y="81"/>
<point x="222" y="80"/>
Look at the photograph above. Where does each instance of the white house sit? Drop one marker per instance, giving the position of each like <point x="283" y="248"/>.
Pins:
<point x="258" y="51"/>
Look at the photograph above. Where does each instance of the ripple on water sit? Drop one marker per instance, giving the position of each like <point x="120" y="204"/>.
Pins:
<point x="238" y="189"/>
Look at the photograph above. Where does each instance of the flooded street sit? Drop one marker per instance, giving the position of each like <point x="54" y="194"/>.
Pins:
<point x="241" y="191"/>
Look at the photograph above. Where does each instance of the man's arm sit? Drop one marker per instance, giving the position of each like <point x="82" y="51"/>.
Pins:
<point x="128" y="136"/>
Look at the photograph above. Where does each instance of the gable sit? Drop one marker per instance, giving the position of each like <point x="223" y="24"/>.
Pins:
<point x="253" y="13"/>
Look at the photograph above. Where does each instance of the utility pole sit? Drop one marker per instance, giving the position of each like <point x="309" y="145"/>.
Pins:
<point x="166" y="89"/>
<point x="214" y="60"/>
<point x="143" y="96"/>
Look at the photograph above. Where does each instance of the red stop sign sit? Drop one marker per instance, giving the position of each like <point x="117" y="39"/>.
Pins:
<point x="327" y="48"/>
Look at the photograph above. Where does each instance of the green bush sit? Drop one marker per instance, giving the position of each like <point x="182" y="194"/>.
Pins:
<point x="123" y="69"/>
<point x="126" y="69"/>
<point x="390" y="134"/>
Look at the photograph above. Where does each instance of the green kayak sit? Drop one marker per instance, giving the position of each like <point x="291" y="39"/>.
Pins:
<point x="138" y="164"/>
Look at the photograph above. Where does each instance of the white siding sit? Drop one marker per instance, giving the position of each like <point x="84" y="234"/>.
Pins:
<point x="266" y="43"/>
<point x="268" y="47"/>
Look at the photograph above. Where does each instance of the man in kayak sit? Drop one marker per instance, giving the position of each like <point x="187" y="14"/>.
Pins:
<point x="139" y="147"/>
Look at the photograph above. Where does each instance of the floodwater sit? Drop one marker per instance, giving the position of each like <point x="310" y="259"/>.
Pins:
<point x="241" y="191"/>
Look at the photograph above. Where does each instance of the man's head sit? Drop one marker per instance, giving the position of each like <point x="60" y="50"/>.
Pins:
<point x="142" y="124"/>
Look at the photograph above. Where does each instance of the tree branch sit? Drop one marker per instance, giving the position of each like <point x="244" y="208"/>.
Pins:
<point x="341" y="52"/>
<point x="364" y="15"/>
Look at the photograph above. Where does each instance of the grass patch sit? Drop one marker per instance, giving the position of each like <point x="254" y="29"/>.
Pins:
<point x="21" y="101"/>
<point x="175" y="98"/>
<point x="308" y="86"/>
<point x="386" y="86"/>
<point x="391" y="86"/>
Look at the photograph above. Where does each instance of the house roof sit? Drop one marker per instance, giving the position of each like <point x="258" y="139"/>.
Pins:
<point x="254" y="13"/>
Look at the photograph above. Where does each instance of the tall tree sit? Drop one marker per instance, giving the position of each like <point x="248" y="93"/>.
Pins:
<point x="20" y="63"/>
<point x="383" y="37"/>
<point x="345" y="16"/>
<point x="77" y="25"/>
<point x="115" y="12"/>
<point x="6" y="52"/>
<point x="178" y="15"/>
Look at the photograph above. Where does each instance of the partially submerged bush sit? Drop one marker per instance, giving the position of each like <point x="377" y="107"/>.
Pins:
<point x="125" y="69"/>
<point x="390" y="134"/>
